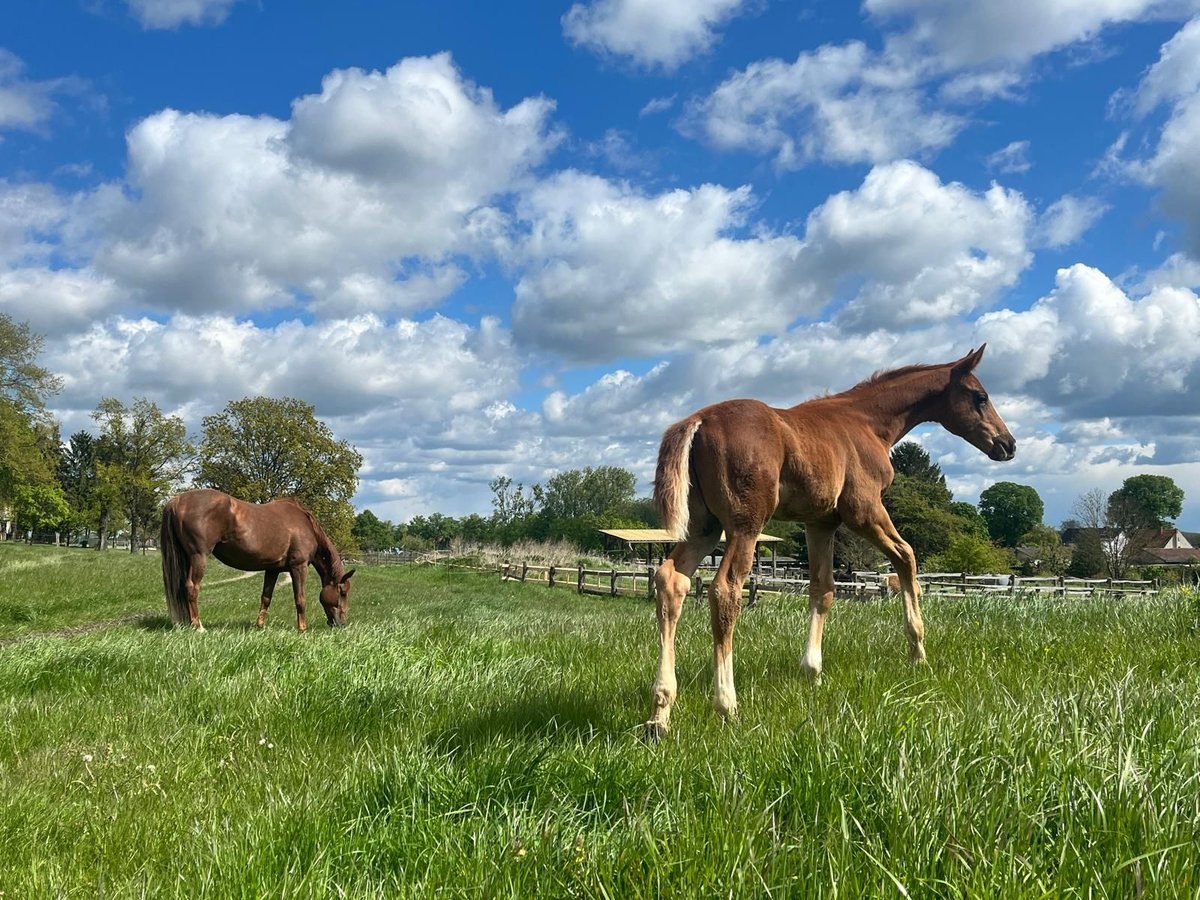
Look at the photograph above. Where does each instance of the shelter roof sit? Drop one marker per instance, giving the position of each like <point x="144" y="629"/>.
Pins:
<point x="662" y="536"/>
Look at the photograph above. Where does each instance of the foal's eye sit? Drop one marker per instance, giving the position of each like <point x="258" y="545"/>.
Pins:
<point x="980" y="399"/>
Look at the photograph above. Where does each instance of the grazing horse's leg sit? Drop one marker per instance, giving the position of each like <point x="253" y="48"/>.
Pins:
<point x="672" y="581"/>
<point x="269" y="579"/>
<point x="879" y="530"/>
<point x="724" y="603"/>
<point x="298" y="574"/>
<point x="820" y="593"/>
<point x="197" y="563"/>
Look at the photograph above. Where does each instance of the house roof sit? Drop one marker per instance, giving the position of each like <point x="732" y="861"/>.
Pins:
<point x="662" y="536"/>
<point x="1174" y="557"/>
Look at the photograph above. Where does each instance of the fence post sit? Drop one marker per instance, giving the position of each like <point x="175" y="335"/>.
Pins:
<point x="1012" y="585"/>
<point x="550" y="575"/>
<point x="1062" y="587"/>
<point x="612" y="583"/>
<point x="524" y="570"/>
<point x="1109" y="586"/>
<point x="579" y="581"/>
<point x="649" y="582"/>
<point x="699" y="587"/>
<point x="753" y="592"/>
<point x="504" y="572"/>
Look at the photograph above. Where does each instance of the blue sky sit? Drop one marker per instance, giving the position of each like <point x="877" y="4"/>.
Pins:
<point x="513" y="239"/>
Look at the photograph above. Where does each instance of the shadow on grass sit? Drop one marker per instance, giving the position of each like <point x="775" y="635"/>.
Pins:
<point x="546" y="718"/>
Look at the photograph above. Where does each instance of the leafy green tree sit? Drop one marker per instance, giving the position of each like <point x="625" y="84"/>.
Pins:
<point x="1010" y="510"/>
<point x="971" y="554"/>
<point x="23" y="382"/>
<point x="28" y="436"/>
<point x="973" y="522"/>
<point x="142" y="457"/>
<point x="1146" y="501"/>
<point x="601" y="491"/>
<point x="373" y="533"/>
<point x="920" y="510"/>
<point x="510" y="503"/>
<point x="77" y="474"/>
<point x="1055" y="558"/>
<point x="261" y="448"/>
<point x="911" y="459"/>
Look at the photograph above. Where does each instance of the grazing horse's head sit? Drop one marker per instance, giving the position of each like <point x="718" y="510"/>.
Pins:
<point x="334" y="597"/>
<point x="969" y="413"/>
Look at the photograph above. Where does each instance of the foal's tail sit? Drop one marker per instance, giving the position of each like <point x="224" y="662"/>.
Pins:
<point x="174" y="566"/>
<point x="672" y="478"/>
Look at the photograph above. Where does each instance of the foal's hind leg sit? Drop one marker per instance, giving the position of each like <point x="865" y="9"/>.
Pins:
<point x="298" y="573"/>
<point x="197" y="563"/>
<point x="672" y="581"/>
<point x="269" y="579"/>
<point x="820" y="592"/>
<point x="725" y="603"/>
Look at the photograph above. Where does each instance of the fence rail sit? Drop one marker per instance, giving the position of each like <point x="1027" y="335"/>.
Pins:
<point x="639" y="582"/>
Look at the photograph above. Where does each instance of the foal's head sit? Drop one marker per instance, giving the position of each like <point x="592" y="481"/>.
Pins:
<point x="969" y="413"/>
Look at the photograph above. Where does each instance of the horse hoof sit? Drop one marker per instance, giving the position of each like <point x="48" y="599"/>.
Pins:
<point x="655" y="732"/>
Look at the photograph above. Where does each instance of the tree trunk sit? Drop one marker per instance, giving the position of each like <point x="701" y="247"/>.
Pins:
<point x="102" y="531"/>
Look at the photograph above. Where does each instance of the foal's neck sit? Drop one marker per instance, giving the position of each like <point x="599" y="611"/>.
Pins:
<point x="327" y="561"/>
<point x="901" y="403"/>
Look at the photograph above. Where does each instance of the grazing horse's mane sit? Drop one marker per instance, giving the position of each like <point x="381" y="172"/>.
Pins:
<point x="326" y="548"/>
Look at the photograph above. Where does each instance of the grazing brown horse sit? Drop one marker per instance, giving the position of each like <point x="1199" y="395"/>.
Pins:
<point x="276" y="537"/>
<point x="826" y="462"/>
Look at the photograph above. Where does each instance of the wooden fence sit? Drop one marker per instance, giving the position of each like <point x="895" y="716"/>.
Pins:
<point x="640" y="583"/>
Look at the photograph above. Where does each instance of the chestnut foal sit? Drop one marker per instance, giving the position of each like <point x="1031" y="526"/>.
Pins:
<point x="826" y="462"/>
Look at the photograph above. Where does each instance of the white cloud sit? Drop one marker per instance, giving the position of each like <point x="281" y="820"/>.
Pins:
<point x="1092" y="351"/>
<point x="27" y="105"/>
<point x="840" y="104"/>
<point x="973" y="34"/>
<point x="1066" y="219"/>
<point x="1013" y="157"/>
<point x="610" y="271"/>
<point x="920" y="250"/>
<point x="356" y="204"/>
<point x="155" y="14"/>
<point x="663" y="33"/>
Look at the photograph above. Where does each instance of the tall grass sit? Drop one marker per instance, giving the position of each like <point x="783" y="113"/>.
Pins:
<point x="474" y="738"/>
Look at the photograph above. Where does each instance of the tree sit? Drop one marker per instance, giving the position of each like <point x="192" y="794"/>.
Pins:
<point x="28" y="437"/>
<point x="600" y="491"/>
<point x="911" y="459"/>
<point x="920" y="510"/>
<point x="77" y="474"/>
<point x="1146" y="501"/>
<point x="1010" y="510"/>
<point x="1113" y="530"/>
<point x="371" y="532"/>
<point x="23" y="382"/>
<point x="142" y="457"/>
<point x="1054" y="557"/>
<point x="261" y="448"/>
<point x="971" y="554"/>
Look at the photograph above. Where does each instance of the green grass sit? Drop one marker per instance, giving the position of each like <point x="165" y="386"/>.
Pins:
<point x="471" y="738"/>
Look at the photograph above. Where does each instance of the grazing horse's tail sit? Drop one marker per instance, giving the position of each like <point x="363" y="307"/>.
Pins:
<point x="174" y="566"/>
<point x="672" y="478"/>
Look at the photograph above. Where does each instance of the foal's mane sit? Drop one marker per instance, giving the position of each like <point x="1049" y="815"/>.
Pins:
<point x="885" y="376"/>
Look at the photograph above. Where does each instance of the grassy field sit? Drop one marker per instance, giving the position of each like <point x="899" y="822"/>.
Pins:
<point x="471" y="738"/>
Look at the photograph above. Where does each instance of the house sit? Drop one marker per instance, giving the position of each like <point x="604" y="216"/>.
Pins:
<point x="1170" y="547"/>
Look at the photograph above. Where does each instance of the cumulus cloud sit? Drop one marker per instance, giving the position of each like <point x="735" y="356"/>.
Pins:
<point x="919" y="250"/>
<point x="358" y="203"/>
<point x="839" y="104"/>
<point x="345" y="367"/>
<point x="662" y="33"/>
<point x="1175" y="80"/>
<point x="165" y="14"/>
<point x="611" y="271"/>
<point x="970" y="34"/>
<point x="1013" y="157"/>
<point x="1091" y="350"/>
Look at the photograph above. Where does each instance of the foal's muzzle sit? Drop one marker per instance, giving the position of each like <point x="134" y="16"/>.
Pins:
<point x="1003" y="448"/>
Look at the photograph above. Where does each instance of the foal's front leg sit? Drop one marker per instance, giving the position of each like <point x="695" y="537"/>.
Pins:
<point x="269" y="579"/>
<point x="879" y="530"/>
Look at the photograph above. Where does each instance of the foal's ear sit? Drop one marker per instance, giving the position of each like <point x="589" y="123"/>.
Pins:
<point x="968" y="363"/>
<point x="346" y="577"/>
